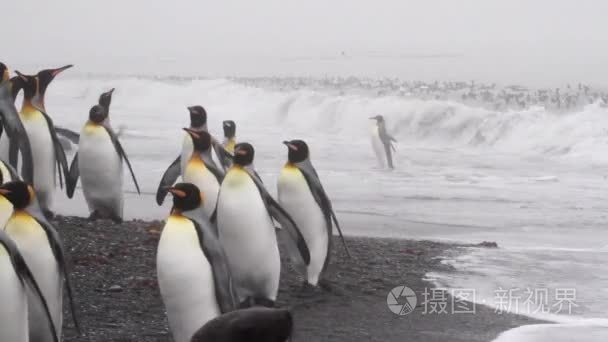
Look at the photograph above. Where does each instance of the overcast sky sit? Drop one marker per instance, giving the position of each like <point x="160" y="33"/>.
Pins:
<point x="531" y="40"/>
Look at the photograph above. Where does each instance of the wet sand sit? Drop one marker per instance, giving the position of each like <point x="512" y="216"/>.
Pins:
<point x="118" y="298"/>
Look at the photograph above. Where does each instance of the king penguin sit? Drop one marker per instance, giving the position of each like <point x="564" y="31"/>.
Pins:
<point x="43" y="252"/>
<point x="193" y="275"/>
<point x="302" y="195"/>
<point x="13" y="139"/>
<point x="47" y="150"/>
<point x="99" y="161"/>
<point x="229" y="127"/>
<point x="382" y="142"/>
<point x="201" y="170"/>
<point x="248" y="325"/>
<point x="198" y="123"/>
<point x="17" y="280"/>
<point x="244" y="216"/>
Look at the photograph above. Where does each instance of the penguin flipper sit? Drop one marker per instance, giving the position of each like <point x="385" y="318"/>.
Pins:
<point x="11" y="170"/>
<point x="211" y="247"/>
<point x="320" y="196"/>
<point x="212" y="167"/>
<point x="280" y="215"/>
<point x="73" y="176"/>
<point x="59" y="253"/>
<point x="389" y="154"/>
<point x="121" y="152"/>
<point x="168" y="179"/>
<point x="62" y="160"/>
<point x="16" y="132"/>
<point x="68" y="134"/>
<point x="223" y="156"/>
<point x="26" y="276"/>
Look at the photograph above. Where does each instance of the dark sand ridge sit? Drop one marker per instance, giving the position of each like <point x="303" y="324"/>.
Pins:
<point x="118" y="299"/>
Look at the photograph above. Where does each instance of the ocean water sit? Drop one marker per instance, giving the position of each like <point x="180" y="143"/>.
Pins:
<point x="531" y="180"/>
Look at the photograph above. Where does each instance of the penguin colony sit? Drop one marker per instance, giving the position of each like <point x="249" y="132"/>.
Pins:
<point x="218" y="263"/>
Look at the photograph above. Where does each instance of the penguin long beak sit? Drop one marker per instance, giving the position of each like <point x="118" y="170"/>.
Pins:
<point x="192" y="133"/>
<point x="240" y="152"/>
<point x="22" y="76"/>
<point x="290" y="145"/>
<point x="5" y="191"/>
<point x="177" y="192"/>
<point x="57" y="71"/>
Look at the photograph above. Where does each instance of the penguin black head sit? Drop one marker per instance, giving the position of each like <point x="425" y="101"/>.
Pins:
<point x="97" y="114"/>
<point x="378" y="118"/>
<point x="16" y="84"/>
<point x="198" y="116"/>
<point x="229" y="129"/>
<point x="105" y="99"/>
<point x="243" y="154"/>
<point x="4" y="72"/>
<point x="29" y="84"/>
<point x="45" y="77"/>
<point x="186" y="196"/>
<point x="200" y="139"/>
<point x="298" y="151"/>
<point x="18" y="193"/>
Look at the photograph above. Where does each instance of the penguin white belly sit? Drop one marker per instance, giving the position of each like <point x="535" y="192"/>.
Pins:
<point x="248" y="236"/>
<point x="32" y="241"/>
<point x="6" y="211"/>
<point x="43" y="154"/>
<point x="100" y="171"/>
<point x="296" y="198"/>
<point x="187" y="149"/>
<point x="198" y="174"/>
<point x="378" y="146"/>
<point x="185" y="279"/>
<point x="6" y="174"/>
<point x="13" y="311"/>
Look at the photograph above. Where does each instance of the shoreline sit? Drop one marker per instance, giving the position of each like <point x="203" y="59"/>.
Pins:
<point x="117" y="297"/>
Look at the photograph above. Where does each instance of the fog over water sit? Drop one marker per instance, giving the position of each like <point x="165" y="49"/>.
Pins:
<point x="543" y="42"/>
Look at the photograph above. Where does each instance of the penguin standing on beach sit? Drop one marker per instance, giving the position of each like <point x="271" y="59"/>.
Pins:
<point x="251" y="324"/>
<point x="99" y="161"/>
<point x="244" y="216"/>
<point x="201" y="170"/>
<point x="47" y="151"/>
<point x="198" y="123"/>
<point x="229" y="142"/>
<point x="13" y="137"/>
<point x="193" y="275"/>
<point x="43" y="252"/>
<point x="17" y="279"/>
<point x="302" y="195"/>
<point x="382" y="142"/>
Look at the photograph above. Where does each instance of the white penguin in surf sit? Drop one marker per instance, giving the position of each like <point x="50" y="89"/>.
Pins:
<point x="47" y="151"/>
<point x="382" y="142"/>
<point x="198" y="123"/>
<point x="302" y="195"/>
<point x="43" y="252"/>
<point x="17" y="280"/>
<point x="193" y="274"/>
<point x="99" y="162"/>
<point x="201" y="170"/>
<point x="244" y="216"/>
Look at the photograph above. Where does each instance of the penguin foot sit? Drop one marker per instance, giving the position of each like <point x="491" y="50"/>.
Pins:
<point x="48" y="214"/>
<point x="116" y="219"/>
<point x="94" y="216"/>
